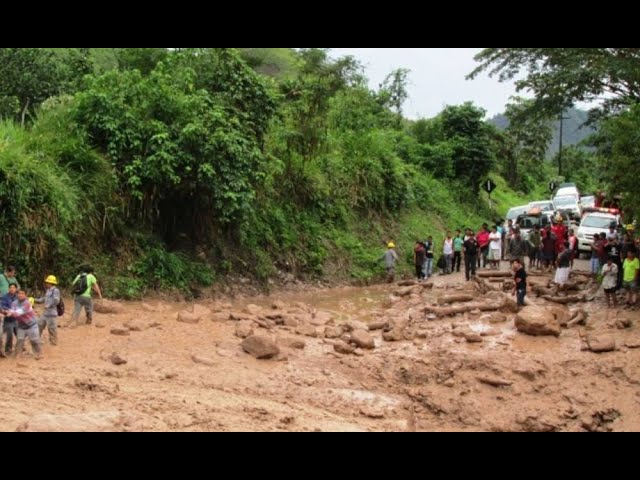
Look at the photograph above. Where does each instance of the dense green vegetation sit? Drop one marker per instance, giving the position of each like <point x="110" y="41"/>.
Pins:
<point x="176" y="169"/>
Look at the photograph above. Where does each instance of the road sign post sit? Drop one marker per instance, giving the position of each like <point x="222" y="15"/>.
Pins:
<point x="489" y="186"/>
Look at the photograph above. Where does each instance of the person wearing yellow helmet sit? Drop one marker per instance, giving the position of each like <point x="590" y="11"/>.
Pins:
<point x="52" y="299"/>
<point x="390" y="258"/>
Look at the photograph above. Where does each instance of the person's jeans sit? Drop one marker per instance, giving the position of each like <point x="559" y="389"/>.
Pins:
<point x="427" y="269"/>
<point x="457" y="260"/>
<point x="521" y="293"/>
<point x="449" y="260"/>
<point x="470" y="265"/>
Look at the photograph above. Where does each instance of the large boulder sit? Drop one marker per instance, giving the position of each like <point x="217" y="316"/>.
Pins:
<point x="362" y="339"/>
<point x="600" y="344"/>
<point x="260" y="347"/>
<point x="244" y="329"/>
<point x="186" y="317"/>
<point x="108" y="306"/>
<point x="537" y="321"/>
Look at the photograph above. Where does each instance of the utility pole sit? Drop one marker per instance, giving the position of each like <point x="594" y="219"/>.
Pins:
<point x="562" y="118"/>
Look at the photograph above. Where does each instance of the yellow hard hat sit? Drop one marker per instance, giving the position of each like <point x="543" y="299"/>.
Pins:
<point x="51" y="280"/>
<point x="32" y="301"/>
<point x="631" y="227"/>
<point x="391" y="245"/>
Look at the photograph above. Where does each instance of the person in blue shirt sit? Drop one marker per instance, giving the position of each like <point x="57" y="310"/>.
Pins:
<point x="9" y="324"/>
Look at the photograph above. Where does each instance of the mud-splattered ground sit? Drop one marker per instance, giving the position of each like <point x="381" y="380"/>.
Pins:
<point x="473" y="371"/>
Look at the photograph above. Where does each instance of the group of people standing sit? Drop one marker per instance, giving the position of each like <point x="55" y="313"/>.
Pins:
<point x="20" y="321"/>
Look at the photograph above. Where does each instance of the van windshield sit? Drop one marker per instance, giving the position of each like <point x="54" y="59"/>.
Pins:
<point x="568" y="201"/>
<point x="597" y="222"/>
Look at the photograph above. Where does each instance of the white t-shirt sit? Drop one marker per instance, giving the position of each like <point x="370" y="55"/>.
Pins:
<point x="610" y="276"/>
<point x="448" y="247"/>
<point x="496" y="241"/>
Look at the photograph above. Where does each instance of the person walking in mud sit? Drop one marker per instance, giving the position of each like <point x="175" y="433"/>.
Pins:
<point x="520" y="281"/>
<point x="9" y="323"/>
<point x="471" y="248"/>
<point x="458" y="244"/>
<point x="23" y="312"/>
<point x="390" y="258"/>
<point x="428" y="263"/>
<point x="51" y="300"/>
<point x="84" y="286"/>
<point x="447" y="252"/>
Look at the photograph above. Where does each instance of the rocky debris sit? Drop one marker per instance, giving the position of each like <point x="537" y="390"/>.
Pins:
<point x="108" y="307"/>
<point x="244" y="329"/>
<point x="632" y="344"/>
<point x="239" y="316"/>
<point x="601" y="420"/>
<point x="407" y="283"/>
<point x="537" y="321"/>
<point x="278" y="305"/>
<point x="601" y="344"/>
<point x="623" y="323"/>
<point x="468" y="334"/>
<point x="136" y="325"/>
<point x="186" y="317"/>
<point x="333" y="332"/>
<point x="534" y="423"/>
<point x="377" y="326"/>
<point x="495" y="381"/>
<point x="108" y="421"/>
<point x="260" y="347"/>
<point x="220" y="317"/>
<point x="320" y="319"/>
<point x="495" y="317"/>
<point x="343" y="347"/>
<point x="203" y="360"/>
<point x="307" y="331"/>
<point x="291" y="342"/>
<point x="457" y="298"/>
<point x="252" y="310"/>
<point x="579" y="317"/>
<point x="355" y="325"/>
<point x="362" y="339"/>
<point x="120" y="331"/>
<point x="117" y="359"/>
<point x="374" y="412"/>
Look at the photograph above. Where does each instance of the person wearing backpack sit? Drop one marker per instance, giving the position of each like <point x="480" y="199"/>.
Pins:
<point x="83" y="285"/>
<point x="52" y="302"/>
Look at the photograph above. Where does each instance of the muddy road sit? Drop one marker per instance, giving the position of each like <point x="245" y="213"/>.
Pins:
<point x="386" y="358"/>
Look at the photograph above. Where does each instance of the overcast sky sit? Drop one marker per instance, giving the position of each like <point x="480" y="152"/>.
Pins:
<point x="437" y="78"/>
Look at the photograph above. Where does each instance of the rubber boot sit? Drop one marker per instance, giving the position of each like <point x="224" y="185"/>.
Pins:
<point x="19" y="348"/>
<point x="37" y="350"/>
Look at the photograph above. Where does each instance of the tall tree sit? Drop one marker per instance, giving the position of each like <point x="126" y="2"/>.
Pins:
<point x="528" y="135"/>
<point x="28" y="76"/>
<point x="558" y="77"/>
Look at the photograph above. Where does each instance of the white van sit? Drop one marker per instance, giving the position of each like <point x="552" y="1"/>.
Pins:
<point x="592" y="224"/>
<point x="569" y="204"/>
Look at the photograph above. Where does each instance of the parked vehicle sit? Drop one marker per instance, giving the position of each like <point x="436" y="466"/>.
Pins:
<point x="588" y="202"/>
<point x="544" y="205"/>
<point x="570" y="205"/>
<point x="514" y="213"/>
<point x="592" y="224"/>
<point x="527" y="221"/>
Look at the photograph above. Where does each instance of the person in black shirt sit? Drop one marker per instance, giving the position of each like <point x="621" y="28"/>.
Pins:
<point x="419" y="258"/>
<point x="520" y="278"/>
<point x="471" y="247"/>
